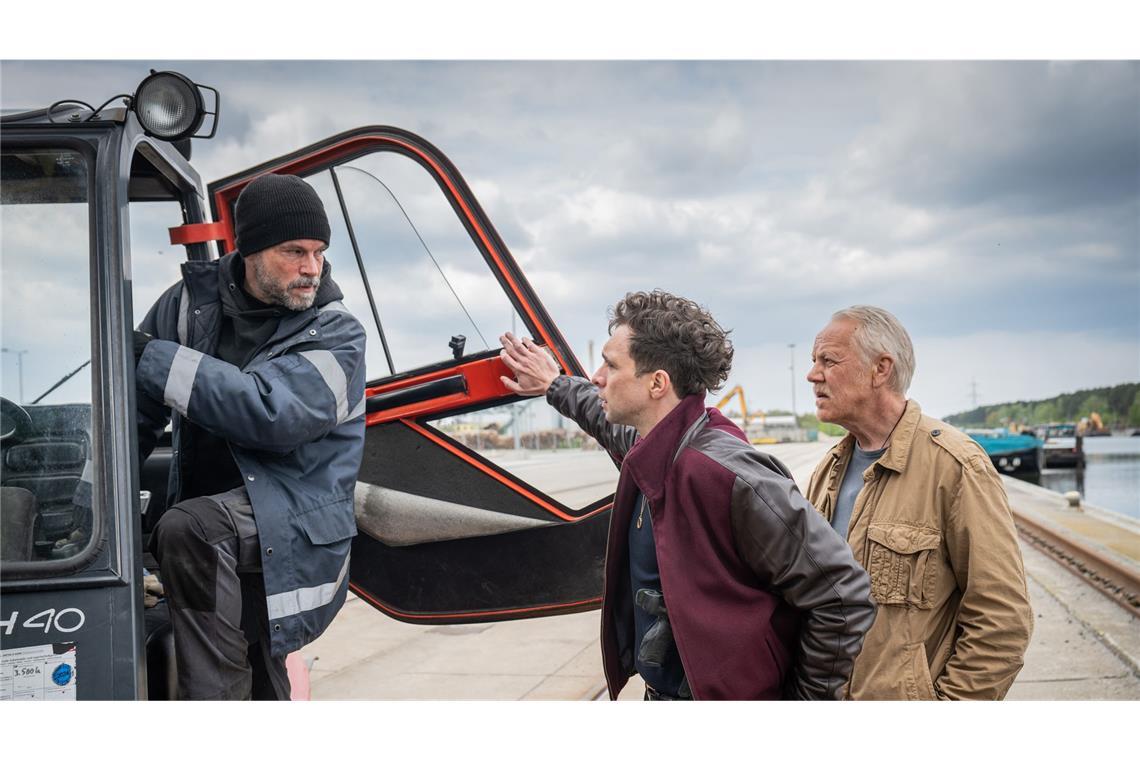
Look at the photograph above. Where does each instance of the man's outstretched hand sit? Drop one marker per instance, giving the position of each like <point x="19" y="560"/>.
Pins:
<point x="534" y="368"/>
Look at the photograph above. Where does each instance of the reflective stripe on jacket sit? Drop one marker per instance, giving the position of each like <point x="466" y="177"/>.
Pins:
<point x="294" y="419"/>
<point x="933" y="527"/>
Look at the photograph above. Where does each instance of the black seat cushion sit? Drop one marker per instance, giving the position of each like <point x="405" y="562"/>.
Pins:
<point x="17" y="522"/>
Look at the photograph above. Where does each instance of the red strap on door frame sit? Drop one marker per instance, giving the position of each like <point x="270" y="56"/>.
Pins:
<point x="198" y="233"/>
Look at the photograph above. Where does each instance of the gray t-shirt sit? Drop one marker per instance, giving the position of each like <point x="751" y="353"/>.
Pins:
<point x="850" y="487"/>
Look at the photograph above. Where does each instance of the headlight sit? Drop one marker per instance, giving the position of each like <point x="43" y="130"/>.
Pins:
<point x="169" y="106"/>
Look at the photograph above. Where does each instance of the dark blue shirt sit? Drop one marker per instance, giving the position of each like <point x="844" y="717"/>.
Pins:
<point x="643" y="573"/>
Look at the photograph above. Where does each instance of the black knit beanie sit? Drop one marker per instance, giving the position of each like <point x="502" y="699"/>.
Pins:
<point x="278" y="207"/>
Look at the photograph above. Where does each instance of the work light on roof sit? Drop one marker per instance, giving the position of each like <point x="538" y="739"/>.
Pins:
<point x="170" y="106"/>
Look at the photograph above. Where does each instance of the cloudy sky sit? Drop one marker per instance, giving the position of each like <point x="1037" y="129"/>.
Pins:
<point x="993" y="207"/>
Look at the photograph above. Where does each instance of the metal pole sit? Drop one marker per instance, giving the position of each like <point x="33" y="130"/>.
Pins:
<point x="363" y="271"/>
<point x="19" y="366"/>
<point x="792" y="369"/>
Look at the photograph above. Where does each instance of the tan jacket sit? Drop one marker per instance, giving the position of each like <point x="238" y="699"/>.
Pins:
<point x="933" y="528"/>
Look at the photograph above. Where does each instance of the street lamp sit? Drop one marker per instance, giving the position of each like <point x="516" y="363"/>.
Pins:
<point x="19" y="366"/>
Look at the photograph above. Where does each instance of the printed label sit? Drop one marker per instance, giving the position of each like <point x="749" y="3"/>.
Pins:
<point x="46" y="671"/>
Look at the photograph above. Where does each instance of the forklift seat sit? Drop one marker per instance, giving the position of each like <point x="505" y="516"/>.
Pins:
<point x="49" y="461"/>
<point x="17" y="523"/>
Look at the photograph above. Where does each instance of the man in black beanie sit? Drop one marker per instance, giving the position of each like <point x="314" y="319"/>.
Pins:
<point x="282" y="216"/>
<point x="263" y="367"/>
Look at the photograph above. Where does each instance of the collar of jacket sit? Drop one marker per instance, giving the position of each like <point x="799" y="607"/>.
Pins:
<point x="898" y="452"/>
<point x="202" y="280"/>
<point x="650" y="457"/>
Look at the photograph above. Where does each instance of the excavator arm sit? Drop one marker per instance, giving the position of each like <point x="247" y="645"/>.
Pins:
<point x="748" y="417"/>
<point x="738" y="393"/>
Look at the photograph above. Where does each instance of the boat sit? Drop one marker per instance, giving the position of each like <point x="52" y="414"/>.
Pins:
<point x="1011" y="452"/>
<point x="1063" y="444"/>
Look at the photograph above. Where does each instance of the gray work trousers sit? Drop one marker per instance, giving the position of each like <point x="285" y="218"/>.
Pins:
<point x="209" y="560"/>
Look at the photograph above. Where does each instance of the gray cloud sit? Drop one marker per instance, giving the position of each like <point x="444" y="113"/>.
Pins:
<point x="1019" y="136"/>
<point x="965" y="197"/>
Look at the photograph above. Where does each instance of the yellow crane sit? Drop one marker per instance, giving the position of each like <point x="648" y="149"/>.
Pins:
<point x="752" y="422"/>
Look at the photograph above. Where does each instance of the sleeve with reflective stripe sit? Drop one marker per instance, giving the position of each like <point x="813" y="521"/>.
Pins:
<point x="273" y="405"/>
<point x="334" y="378"/>
<point x="180" y="379"/>
<point x="153" y="414"/>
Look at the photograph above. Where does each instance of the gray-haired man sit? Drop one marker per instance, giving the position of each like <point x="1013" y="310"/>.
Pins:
<point x="925" y="512"/>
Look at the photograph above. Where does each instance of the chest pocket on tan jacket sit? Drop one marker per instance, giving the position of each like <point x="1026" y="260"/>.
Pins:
<point x="902" y="563"/>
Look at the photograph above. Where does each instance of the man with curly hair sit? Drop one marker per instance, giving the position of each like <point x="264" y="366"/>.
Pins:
<point x="721" y="581"/>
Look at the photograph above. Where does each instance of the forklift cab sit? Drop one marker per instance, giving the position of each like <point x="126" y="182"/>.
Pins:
<point x="464" y="508"/>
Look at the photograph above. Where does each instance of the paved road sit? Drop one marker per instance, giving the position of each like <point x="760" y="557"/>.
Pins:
<point x="1083" y="646"/>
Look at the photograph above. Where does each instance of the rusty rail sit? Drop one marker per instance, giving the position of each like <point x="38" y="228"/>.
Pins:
<point x="1117" y="581"/>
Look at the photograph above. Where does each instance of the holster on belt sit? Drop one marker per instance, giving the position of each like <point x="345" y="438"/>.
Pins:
<point x="658" y="640"/>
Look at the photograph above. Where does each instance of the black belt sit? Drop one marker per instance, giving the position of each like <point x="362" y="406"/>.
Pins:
<point x="652" y="695"/>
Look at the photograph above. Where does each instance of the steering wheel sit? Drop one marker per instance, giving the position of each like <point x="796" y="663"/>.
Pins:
<point x="15" y="422"/>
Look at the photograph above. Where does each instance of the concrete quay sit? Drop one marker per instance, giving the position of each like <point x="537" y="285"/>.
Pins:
<point x="1084" y="646"/>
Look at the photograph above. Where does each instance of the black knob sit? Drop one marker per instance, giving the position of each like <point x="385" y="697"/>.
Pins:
<point x="456" y="345"/>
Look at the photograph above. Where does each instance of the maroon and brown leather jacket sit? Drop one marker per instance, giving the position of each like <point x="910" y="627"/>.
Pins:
<point x="765" y="599"/>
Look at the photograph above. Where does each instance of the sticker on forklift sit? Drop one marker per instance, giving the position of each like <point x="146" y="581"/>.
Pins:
<point x="46" y="671"/>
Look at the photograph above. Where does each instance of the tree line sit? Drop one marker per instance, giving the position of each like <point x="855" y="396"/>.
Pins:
<point x="1118" y="407"/>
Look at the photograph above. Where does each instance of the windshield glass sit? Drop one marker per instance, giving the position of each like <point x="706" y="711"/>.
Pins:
<point x="432" y="292"/>
<point x="46" y="471"/>
<point x="46" y="289"/>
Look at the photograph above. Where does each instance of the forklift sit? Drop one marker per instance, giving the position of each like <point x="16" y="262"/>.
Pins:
<point x="100" y="205"/>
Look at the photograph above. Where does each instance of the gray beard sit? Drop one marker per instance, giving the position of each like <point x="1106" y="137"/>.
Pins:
<point x="280" y="295"/>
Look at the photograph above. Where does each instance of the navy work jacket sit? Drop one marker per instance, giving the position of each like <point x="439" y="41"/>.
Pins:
<point x="294" y="420"/>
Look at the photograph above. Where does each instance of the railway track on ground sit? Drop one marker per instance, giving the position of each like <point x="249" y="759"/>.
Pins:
<point x="1114" y="579"/>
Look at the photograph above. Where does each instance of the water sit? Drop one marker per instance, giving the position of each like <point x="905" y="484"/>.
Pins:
<point x="1111" y="478"/>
